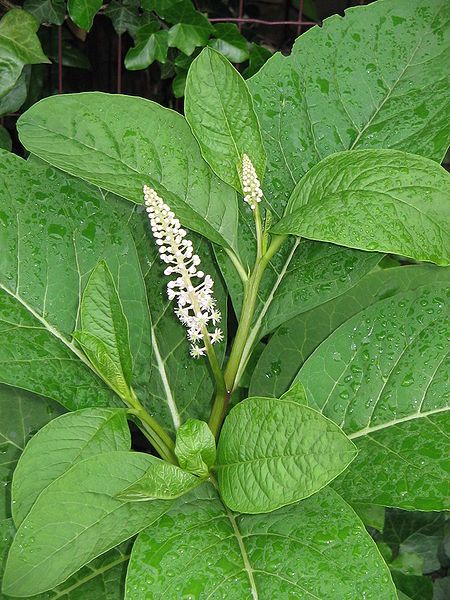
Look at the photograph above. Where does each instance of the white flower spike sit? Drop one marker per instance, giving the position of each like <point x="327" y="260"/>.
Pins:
<point x="196" y="304"/>
<point x="250" y="183"/>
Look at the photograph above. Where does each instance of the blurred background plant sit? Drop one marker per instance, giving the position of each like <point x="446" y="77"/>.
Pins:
<point x="138" y="47"/>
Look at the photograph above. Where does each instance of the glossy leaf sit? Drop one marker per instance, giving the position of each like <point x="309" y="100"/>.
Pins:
<point x="272" y="453"/>
<point x="124" y="15"/>
<point x="21" y="415"/>
<point x="82" y="12"/>
<point x="162" y="481"/>
<point x="181" y="387"/>
<point x="47" y="11"/>
<point x="382" y="377"/>
<point x="13" y="100"/>
<point x="188" y="36"/>
<point x="195" y="447"/>
<point x="69" y="227"/>
<point x="375" y="74"/>
<point x="257" y="556"/>
<point x="230" y="42"/>
<point x="147" y="50"/>
<point x="104" y="330"/>
<point x="383" y="200"/>
<point x="60" y="445"/>
<point x="219" y="109"/>
<point x="296" y="339"/>
<point x="50" y="545"/>
<point x="371" y="515"/>
<point x="19" y="46"/>
<point x="112" y="146"/>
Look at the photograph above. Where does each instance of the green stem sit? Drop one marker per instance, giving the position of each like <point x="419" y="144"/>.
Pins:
<point x="237" y="265"/>
<point x="157" y="435"/>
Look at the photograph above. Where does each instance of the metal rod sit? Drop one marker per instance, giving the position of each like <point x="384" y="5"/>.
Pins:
<point x="300" y="15"/>
<point x="261" y="22"/>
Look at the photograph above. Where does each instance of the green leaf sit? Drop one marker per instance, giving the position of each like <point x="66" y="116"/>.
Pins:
<point x="195" y="447"/>
<point x="50" y="545"/>
<point x="21" y="414"/>
<point x="383" y="200"/>
<point x="371" y="515"/>
<point x="180" y="387"/>
<point x="257" y="556"/>
<point x="58" y="446"/>
<point x="5" y="139"/>
<point x="179" y="84"/>
<point x="146" y="51"/>
<point x="257" y="58"/>
<point x="296" y="393"/>
<point x="230" y="42"/>
<point x="104" y="326"/>
<point x="162" y="481"/>
<point x="19" y="46"/>
<point x="13" y="100"/>
<point x="382" y="376"/>
<point x="47" y="11"/>
<point x="124" y="15"/>
<point x="68" y="229"/>
<point x="272" y="453"/>
<point x="188" y="36"/>
<point x="296" y="339"/>
<point x="407" y="563"/>
<point x="413" y="586"/>
<point x="82" y="12"/>
<point x="110" y="147"/>
<point x="219" y="109"/>
<point x="7" y="532"/>
<point x="376" y="74"/>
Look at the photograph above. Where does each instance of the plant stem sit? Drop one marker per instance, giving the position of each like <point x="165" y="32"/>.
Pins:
<point x="251" y="288"/>
<point x="237" y="265"/>
<point x="157" y="435"/>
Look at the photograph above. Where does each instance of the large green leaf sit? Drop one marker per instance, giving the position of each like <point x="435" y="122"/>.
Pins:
<point x="230" y="42"/>
<point x="383" y="377"/>
<point x="384" y="200"/>
<point x="275" y="452"/>
<point x="47" y="11"/>
<point x="315" y="549"/>
<point x="122" y="143"/>
<point x="19" y="46"/>
<point x="296" y="339"/>
<point x="77" y="518"/>
<point x="374" y="74"/>
<point x="59" y="445"/>
<point x="82" y="12"/>
<point x="124" y="15"/>
<point x="377" y="75"/>
<point x="104" y="322"/>
<point x="181" y="387"/>
<point x="149" y="47"/>
<point x="219" y="109"/>
<point x="53" y="231"/>
<point x="21" y="415"/>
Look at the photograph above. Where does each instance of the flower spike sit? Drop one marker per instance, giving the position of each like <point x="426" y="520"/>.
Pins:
<point x="250" y="183"/>
<point x="196" y="305"/>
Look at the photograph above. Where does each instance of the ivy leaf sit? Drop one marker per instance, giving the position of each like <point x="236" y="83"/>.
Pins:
<point x="104" y="334"/>
<point x="385" y="384"/>
<point x="383" y="200"/>
<point x="117" y="154"/>
<point x="258" y="56"/>
<point x="195" y="447"/>
<point x="13" y="100"/>
<point x="219" y="109"/>
<point x="188" y="36"/>
<point x="19" y="46"/>
<point x="181" y="387"/>
<point x="257" y="556"/>
<point x="49" y="546"/>
<point x="41" y="277"/>
<point x="296" y="339"/>
<point x="5" y="139"/>
<point x="162" y="481"/>
<point x="82" y="12"/>
<point x="47" y="11"/>
<point x="21" y="414"/>
<point x="124" y="15"/>
<point x="230" y="42"/>
<point x="272" y="453"/>
<point x="147" y="49"/>
<point x="60" y="445"/>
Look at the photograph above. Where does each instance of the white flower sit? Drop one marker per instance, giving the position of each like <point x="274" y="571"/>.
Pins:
<point x="250" y="183"/>
<point x="195" y="302"/>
